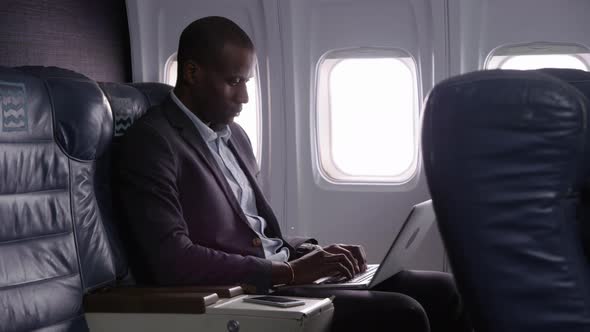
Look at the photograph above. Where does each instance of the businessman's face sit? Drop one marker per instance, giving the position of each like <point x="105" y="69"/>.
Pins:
<point x="222" y="88"/>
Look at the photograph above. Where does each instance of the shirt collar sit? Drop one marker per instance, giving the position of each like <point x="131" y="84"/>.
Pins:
<point x="207" y="133"/>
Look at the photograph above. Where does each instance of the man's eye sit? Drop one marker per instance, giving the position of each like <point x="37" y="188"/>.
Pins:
<point x="234" y="81"/>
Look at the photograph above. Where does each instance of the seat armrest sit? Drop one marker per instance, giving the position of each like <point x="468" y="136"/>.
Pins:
<point x="221" y="291"/>
<point x="125" y="300"/>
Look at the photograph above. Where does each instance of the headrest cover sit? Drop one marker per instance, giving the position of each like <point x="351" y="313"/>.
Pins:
<point x="127" y="103"/>
<point x="130" y="101"/>
<point x="25" y="107"/>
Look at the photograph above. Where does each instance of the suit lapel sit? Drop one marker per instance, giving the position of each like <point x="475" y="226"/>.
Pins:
<point x="261" y="203"/>
<point x="192" y="136"/>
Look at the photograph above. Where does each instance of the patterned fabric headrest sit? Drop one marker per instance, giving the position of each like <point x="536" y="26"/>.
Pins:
<point x="130" y="101"/>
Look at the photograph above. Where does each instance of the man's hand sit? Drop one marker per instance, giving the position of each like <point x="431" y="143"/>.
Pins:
<point x="355" y="253"/>
<point x="346" y="260"/>
<point x="321" y="263"/>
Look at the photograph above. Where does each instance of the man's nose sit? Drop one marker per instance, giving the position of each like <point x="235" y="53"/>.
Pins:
<point x="242" y="95"/>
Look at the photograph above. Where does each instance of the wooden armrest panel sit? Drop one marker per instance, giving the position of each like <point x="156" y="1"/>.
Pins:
<point x="125" y="301"/>
<point x="221" y="291"/>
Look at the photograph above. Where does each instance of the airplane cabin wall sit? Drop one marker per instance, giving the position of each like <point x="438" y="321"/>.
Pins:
<point x="480" y="26"/>
<point x="365" y="214"/>
<point x="444" y="38"/>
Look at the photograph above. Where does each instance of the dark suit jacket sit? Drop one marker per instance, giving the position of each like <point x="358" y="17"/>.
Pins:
<point x="181" y="219"/>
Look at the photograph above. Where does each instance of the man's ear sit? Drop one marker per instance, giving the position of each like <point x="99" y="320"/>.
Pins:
<point x="191" y="72"/>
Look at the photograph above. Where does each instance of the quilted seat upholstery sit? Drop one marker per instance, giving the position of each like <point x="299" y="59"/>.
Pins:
<point x="58" y="239"/>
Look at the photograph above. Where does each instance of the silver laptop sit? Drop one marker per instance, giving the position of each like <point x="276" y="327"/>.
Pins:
<point x="401" y="251"/>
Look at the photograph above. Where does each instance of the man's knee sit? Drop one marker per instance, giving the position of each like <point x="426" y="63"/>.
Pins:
<point x="437" y="285"/>
<point x="414" y="317"/>
<point x="358" y="310"/>
<point x="445" y="297"/>
<point x="447" y="288"/>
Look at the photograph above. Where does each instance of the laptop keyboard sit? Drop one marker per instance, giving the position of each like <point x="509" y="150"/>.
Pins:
<point x="365" y="276"/>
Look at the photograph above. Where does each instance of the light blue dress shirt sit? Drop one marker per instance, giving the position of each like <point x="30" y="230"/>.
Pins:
<point x="217" y="143"/>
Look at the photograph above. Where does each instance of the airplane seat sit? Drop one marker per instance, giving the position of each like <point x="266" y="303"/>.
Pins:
<point x="579" y="79"/>
<point x="128" y="103"/>
<point x="61" y="256"/>
<point x="55" y="128"/>
<point x="505" y="156"/>
<point x="101" y="171"/>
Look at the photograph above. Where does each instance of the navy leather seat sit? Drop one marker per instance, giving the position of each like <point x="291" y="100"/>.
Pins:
<point x="58" y="239"/>
<point x="505" y="155"/>
<point x="56" y="128"/>
<point x="580" y="80"/>
<point x="128" y="103"/>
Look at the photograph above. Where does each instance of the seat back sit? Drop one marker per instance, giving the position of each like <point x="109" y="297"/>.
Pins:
<point x="580" y="80"/>
<point x="56" y="126"/>
<point x="504" y="155"/>
<point x="129" y="102"/>
<point x="58" y="236"/>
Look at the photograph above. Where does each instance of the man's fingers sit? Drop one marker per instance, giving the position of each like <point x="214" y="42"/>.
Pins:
<point x="337" y="249"/>
<point x="353" y="260"/>
<point x="359" y="253"/>
<point x="341" y="269"/>
<point x="342" y="260"/>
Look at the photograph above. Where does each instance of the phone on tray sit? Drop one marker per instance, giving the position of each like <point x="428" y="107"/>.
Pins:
<point x="275" y="301"/>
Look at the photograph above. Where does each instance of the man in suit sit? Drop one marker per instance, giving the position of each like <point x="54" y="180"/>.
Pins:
<point x="195" y="214"/>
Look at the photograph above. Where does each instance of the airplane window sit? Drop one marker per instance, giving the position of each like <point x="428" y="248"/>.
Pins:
<point x="248" y="118"/>
<point x="536" y="55"/>
<point x="171" y="71"/>
<point x="526" y="62"/>
<point x="366" y="119"/>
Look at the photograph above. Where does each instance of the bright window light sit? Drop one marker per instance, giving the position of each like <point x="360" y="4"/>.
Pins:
<point x="171" y="71"/>
<point x="249" y="116"/>
<point x="537" y="61"/>
<point x="367" y="118"/>
<point x="537" y="55"/>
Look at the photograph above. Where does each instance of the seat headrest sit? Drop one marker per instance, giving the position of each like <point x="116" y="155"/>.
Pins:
<point x="42" y="71"/>
<point x="130" y="101"/>
<point x="26" y="107"/>
<point x="578" y="78"/>
<point x="83" y="120"/>
<point x="154" y="92"/>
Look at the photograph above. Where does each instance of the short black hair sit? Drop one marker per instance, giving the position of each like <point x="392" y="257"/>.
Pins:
<point x="202" y="41"/>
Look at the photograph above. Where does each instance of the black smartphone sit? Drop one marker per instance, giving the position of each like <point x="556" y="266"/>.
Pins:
<point x="275" y="301"/>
